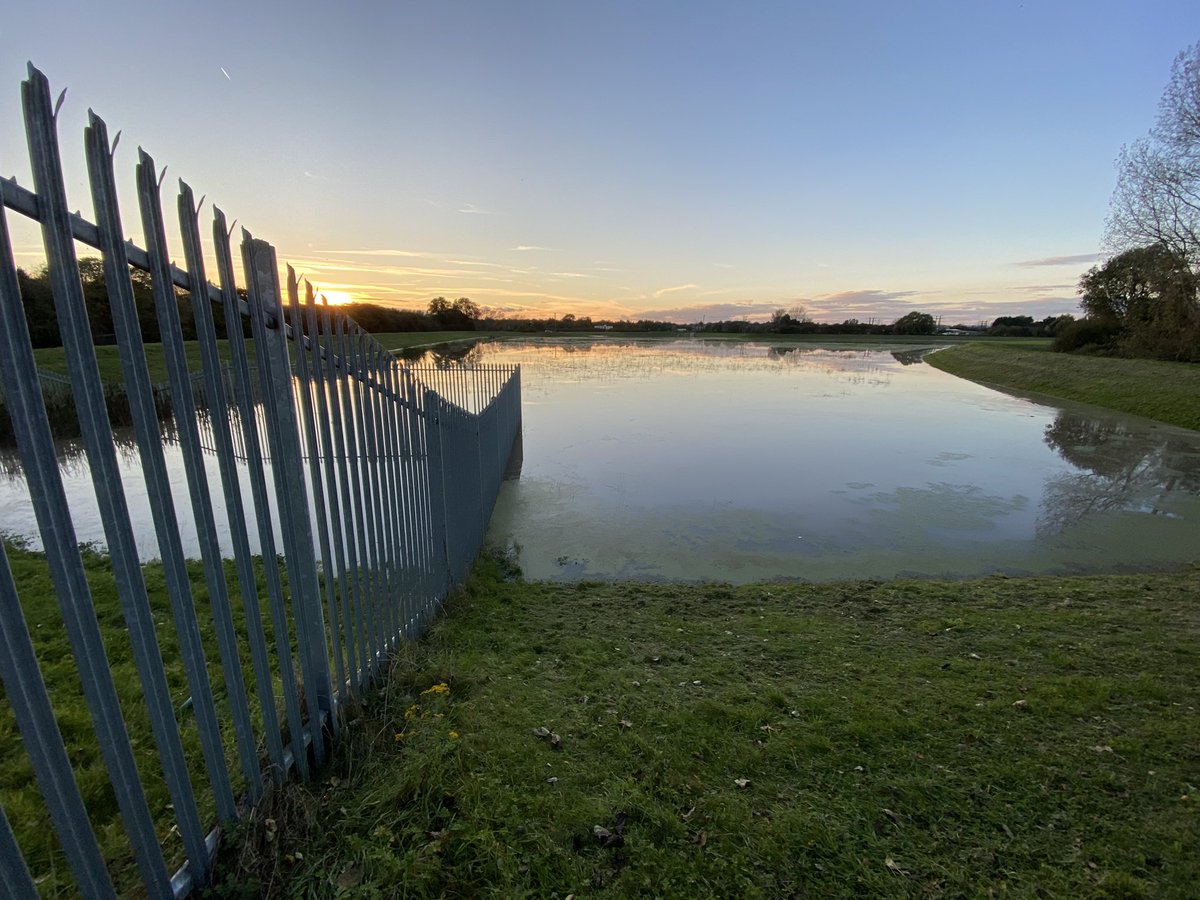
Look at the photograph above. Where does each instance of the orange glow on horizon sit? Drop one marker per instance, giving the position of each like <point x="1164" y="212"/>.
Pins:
<point x="337" y="298"/>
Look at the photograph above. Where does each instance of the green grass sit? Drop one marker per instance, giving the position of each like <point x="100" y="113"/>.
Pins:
<point x="1032" y="737"/>
<point x="108" y="360"/>
<point x="19" y="795"/>
<point x="1166" y="391"/>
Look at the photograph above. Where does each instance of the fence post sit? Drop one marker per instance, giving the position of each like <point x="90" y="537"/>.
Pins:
<point x="275" y="373"/>
<point x="437" y="485"/>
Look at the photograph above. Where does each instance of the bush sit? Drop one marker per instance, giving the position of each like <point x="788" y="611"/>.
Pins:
<point x="1090" y="335"/>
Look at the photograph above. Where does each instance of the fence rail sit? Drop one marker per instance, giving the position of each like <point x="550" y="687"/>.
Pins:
<point x="371" y="481"/>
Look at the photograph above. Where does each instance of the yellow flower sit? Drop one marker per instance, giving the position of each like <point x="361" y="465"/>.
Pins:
<point x="410" y="713"/>
<point x="399" y="735"/>
<point x="442" y="688"/>
<point x="454" y="735"/>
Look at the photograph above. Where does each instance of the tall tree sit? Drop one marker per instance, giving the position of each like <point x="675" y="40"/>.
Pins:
<point x="1157" y="199"/>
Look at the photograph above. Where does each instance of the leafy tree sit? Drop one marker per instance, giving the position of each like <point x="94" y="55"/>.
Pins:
<point x="1150" y="296"/>
<point x="915" y="323"/>
<point x="460" y="315"/>
<point x="1157" y="199"/>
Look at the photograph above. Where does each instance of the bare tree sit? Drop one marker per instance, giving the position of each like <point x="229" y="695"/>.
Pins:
<point x="1157" y="199"/>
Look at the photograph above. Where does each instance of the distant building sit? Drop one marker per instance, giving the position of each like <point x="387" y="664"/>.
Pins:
<point x="603" y="327"/>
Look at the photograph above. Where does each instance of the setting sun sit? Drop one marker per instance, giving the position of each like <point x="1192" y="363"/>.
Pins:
<point x="337" y="298"/>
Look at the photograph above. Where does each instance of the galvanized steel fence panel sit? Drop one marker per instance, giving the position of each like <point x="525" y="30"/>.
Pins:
<point x="381" y="478"/>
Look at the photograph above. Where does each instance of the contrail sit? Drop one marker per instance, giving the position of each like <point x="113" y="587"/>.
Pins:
<point x="223" y="72"/>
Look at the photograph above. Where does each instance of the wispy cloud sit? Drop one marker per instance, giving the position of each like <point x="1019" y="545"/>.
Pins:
<point x="525" y="248"/>
<point x="421" y="254"/>
<point x="1078" y="259"/>
<point x="472" y="209"/>
<point x="1043" y="288"/>
<point x="710" y="312"/>
<point x="671" y="290"/>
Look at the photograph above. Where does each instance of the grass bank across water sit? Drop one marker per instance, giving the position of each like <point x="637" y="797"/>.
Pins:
<point x="1035" y="736"/>
<point x="1166" y="391"/>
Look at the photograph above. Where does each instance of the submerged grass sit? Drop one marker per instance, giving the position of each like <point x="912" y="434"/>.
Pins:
<point x="1166" y="391"/>
<point x="1032" y="736"/>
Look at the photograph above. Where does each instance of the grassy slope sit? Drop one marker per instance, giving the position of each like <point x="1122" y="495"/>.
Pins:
<point x="1166" y="391"/>
<point x="1036" y="736"/>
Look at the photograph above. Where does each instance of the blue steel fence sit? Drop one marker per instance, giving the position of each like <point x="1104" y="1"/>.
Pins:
<point x="370" y="481"/>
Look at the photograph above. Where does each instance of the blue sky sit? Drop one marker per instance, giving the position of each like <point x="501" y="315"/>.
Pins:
<point x="680" y="160"/>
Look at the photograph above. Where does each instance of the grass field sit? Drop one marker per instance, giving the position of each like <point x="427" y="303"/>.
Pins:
<point x="1165" y="391"/>
<point x="1033" y="737"/>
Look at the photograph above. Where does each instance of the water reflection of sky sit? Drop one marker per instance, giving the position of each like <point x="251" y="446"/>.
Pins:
<point x="730" y="461"/>
<point x="738" y="461"/>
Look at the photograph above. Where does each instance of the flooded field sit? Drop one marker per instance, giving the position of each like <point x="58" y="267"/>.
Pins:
<point x="701" y="460"/>
<point x="695" y="460"/>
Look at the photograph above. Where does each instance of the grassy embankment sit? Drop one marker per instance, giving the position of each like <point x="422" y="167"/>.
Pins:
<point x="1036" y="736"/>
<point x="1166" y="391"/>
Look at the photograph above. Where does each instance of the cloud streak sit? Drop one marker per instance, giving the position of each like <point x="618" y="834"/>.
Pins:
<point x="1078" y="259"/>
<point x="671" y="290"/>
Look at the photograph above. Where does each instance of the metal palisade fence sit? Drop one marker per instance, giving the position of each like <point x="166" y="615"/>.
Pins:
<point x="370" y="484"/>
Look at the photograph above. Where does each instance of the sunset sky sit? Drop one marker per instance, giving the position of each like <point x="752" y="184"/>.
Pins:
<point x="642" y="159"/>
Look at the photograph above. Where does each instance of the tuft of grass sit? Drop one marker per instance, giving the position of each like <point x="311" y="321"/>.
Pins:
<point x="1036" y="736"/>
<point x="1166" y="391"/>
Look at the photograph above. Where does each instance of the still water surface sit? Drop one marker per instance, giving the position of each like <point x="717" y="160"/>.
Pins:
<point x="702" y="460"/>
<point x="738" y="462"/>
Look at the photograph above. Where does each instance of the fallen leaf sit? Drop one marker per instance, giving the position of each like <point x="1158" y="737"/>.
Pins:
<point x="552" y="780"/>
<point x="555" y="741"/>
<point x="625" y="723"/>
<point x="541" y="732"/>
<point x="351" y="877"/>
<point x="894" y="866"/>
<point x="1021" y="704"/>
<point x="741" y="782"/>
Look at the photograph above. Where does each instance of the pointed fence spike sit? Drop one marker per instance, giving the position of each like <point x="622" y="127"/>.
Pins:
<point x="113" y="149"/>
<point x="58" y="103"/>
<point x="161" y="176"/>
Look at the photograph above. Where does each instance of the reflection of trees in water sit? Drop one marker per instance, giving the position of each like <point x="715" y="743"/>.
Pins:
<point x="72" y="454"/>
<point x="910" y="357"/>
<point x="445" y="356"/>
<point x="615" y="359"/>
<point x="1119" y="469"/>
<point x="454" y="355"/>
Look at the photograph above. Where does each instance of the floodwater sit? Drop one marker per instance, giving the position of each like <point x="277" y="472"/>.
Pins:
<point x="692" y="460"/>
<point x="20" y="522"/>
<point x="704" y="460"/>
